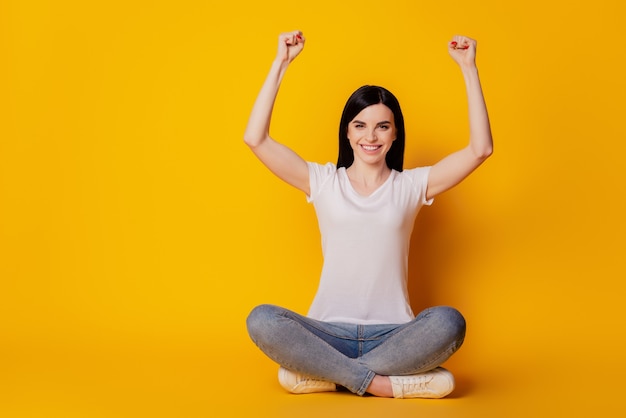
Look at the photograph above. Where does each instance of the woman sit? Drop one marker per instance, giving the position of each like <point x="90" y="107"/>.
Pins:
<point x="360" y="332"/>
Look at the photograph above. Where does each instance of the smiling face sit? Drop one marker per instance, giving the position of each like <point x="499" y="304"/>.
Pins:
<point x="371" y="134"/>
<point x="362" y="98"/>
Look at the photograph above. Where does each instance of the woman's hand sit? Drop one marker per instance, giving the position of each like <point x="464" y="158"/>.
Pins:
<point x="463" y="51"/>
<point x="290" y="44"/>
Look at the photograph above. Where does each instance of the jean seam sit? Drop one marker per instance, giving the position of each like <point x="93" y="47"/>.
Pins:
<point x="314" y="325"/>
<point x="290" y="317"/>
<point x="370" y="374"/>
<point x="366" y="383"/>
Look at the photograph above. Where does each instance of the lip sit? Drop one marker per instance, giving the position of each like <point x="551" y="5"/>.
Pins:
<point x="373" y="149"/>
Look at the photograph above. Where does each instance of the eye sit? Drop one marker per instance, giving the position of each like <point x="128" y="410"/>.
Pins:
<point x="358" y="125"/>
<point x="384" y="127"/>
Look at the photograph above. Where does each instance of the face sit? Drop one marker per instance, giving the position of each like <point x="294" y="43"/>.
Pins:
<point x="371" y="133"/>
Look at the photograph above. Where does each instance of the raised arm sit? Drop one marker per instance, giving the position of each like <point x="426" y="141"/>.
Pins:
<point x="452" y="169"/>
<point x="280" y="159"/>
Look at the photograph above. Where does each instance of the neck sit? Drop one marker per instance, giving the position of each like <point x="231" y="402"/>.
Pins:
<point x="368" y="174"/>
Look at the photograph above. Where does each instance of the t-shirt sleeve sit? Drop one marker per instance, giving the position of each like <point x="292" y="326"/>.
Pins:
<point x="318" y="175"/>
<point x="419" y="178"/>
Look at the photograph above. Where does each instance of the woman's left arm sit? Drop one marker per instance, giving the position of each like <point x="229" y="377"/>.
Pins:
<point x="452" y="169"/>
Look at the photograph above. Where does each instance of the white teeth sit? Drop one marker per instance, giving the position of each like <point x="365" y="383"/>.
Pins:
<point x="370" y="147"/>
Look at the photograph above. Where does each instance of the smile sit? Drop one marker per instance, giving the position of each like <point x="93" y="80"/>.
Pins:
<point x="371" y="147"/>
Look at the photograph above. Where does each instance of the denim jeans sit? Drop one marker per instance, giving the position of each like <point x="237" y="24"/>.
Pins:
<point x="350" y="355"/>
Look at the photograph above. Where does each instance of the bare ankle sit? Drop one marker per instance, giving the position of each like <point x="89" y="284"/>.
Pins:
<point x="380" y="386"/>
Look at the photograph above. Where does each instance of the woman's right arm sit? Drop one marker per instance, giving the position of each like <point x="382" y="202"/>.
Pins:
<point x="281" y="160"/>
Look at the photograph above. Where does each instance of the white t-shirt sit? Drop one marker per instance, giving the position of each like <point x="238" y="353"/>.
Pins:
<point x="365" y="244"/>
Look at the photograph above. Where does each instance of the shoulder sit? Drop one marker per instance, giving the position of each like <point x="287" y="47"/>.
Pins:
<point x="319" y="176"/>
<point x="418" y="179"/>
<point x="321" y="170"/>
<point x="416" y="174"/>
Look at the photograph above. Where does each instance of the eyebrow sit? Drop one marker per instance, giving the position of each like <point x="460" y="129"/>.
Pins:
<point x="379" y="123"/>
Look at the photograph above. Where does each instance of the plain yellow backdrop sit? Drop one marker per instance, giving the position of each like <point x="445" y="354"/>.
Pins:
<point x="137" y="230"/>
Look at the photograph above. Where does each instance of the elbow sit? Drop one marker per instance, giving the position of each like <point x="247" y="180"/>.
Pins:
<point x="249" y="141"/>
<point x="483" y="152"/>
<point x="486" y="152"/>
<point x="252" y="140"/>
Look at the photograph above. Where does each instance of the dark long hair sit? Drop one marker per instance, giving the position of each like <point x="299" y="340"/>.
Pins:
<point x="363" y="97"/>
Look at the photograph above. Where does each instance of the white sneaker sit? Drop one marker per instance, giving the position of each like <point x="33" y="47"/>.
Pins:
<point x="300" y="383"/>
<point x="435" y="383"/>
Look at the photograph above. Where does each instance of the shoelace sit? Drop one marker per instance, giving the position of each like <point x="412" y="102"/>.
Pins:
<point x="414" y="383"/>
<point x="309" y="381"/>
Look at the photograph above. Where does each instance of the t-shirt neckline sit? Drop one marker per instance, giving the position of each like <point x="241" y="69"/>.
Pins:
<point x="344" y="174"/>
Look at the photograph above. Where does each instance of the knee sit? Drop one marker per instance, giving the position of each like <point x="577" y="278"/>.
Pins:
<point x="259" y="319"/>
<point x="452" y="321"/>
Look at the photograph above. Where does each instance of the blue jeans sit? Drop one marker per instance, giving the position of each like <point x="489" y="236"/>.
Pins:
<point x="350" y="355"/>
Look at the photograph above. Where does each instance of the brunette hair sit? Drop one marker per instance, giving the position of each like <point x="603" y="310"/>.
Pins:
<point x="363" y="97"/>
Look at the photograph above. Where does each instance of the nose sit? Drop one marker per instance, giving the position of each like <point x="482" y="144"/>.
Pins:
<point x="371" y="136"/>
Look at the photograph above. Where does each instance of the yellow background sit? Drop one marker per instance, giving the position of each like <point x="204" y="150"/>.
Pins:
<point x="137" y="230"/>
